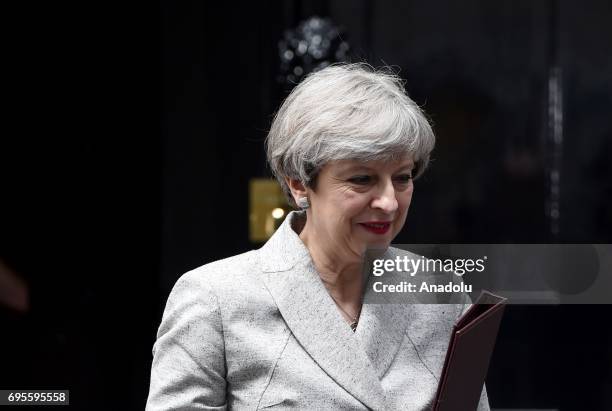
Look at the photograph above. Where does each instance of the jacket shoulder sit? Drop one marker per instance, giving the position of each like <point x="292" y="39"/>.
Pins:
<point x="227" y="280"/>
<point x="232" y="269"/>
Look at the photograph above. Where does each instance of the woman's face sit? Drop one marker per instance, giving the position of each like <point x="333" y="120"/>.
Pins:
<point x="357" y="205"/>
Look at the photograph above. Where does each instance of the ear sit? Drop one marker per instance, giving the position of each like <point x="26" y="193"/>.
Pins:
<point x="297" y="188"/>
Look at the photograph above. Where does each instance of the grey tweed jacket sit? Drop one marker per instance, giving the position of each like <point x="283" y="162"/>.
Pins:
<point x="259" y="330"/>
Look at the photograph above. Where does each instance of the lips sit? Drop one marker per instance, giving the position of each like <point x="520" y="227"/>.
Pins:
<point x="376" y="227"/>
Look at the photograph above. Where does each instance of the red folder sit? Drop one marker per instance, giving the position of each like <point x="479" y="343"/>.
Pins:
<point x="469" y="351"/>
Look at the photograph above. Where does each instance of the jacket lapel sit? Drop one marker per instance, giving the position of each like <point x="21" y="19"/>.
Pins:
<point x="312" y="316"/>
<point x="381" y="329"/>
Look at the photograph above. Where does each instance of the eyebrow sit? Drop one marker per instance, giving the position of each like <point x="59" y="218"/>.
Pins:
<point x="353" y="168"/>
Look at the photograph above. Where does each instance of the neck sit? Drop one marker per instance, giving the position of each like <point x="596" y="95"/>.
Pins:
<point x="340" y="270"/>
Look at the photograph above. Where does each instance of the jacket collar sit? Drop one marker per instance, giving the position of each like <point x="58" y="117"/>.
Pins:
<point x="356" y="361"/>
<point x="285" y="248"/>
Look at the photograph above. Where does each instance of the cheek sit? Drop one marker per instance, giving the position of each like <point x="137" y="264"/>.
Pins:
<point x="407" y="197"/>
<point x="352" y="203"/>
<point x="404" y="199"/>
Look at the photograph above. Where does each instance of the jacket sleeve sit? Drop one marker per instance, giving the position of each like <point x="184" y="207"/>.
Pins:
<point x="188" y="370"/>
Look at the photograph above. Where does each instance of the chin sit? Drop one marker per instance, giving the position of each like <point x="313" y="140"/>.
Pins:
<point x="379" y="244"/>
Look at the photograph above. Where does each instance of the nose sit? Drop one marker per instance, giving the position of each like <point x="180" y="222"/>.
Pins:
<point x="385" y="199"/>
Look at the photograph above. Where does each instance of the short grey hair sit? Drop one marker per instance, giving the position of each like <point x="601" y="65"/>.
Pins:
<point x="346" y="111"/>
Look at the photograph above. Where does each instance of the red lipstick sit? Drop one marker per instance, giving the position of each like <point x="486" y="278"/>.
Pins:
<point x="377" y="227"/>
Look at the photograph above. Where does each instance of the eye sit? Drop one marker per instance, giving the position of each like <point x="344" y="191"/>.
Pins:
<point x="360" y="180"/>
<point x="404" y="178"/>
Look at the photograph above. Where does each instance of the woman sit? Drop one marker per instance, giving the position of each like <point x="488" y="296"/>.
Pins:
<point x="284" y="326"/>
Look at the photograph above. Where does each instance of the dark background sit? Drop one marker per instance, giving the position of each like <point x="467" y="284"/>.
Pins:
<point x="131" y="136"/>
